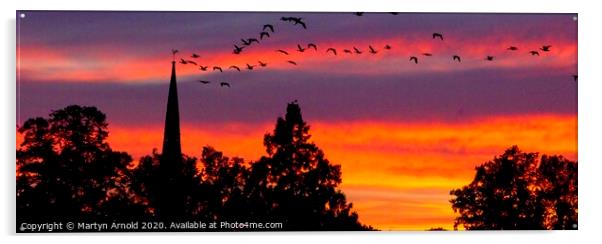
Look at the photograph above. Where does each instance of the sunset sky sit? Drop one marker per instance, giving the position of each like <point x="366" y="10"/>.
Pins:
<point x="404" y="133"/>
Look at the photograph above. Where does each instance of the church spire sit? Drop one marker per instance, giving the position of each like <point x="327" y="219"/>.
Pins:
<point x="172" y="150"/>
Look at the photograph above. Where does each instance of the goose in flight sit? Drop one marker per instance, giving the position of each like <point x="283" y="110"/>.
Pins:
<point x="262" y="34"/>
<point x="387" y="47"/>
<point x="300" y="22"/>
<point x="438" y="35"/>
<point x="262" y="64"/>
<point x="194" y="55"/>
<point x="456" y="57"/>
<point x="191" y="62"/>
<point x="250" y="67"/>
<point x="217" y="68"/>
<point x="533" y="53"/>
<point x="512" y="48"/>
<point x="237" y="49"/>
<point x="489" y="58"/>
<point x="234" y="67"/>
<point x="311" y="45"/>
<point x="203" y="68"/>
<point x="545" y="48"/>
<point x="245" y="42"/>
<point x="282" y="51"/>
<point x="222" y="84"/>
<point x="182" y="61"/>
<point x="292" y="62"/>
<point x="251" y="40"/>
<point x="347" y="51"/>
<point x="415" y="59"/>
<point x="334" y="51"/>
<point x="372" y="51"/>
<point x="268" y="26"/>
<point x="300" y="49"/>
<point x="205" y="81"/>
<point x="427" y="54"/>
<point x="357" y="50"/>
<point x="174" y="51"/>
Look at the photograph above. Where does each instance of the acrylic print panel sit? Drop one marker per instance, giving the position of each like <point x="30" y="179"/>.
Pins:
<point x="257" y="121"/>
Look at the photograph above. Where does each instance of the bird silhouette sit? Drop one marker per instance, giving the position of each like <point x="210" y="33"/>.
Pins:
<point x="415" y="59"/>
<point x="182" y="61"/>
<point x="387" y="47"/>
<point x="512" y="48"/>
<point x="262" y="64"/>
<point x="174" y="51"/>
<point x="205" y="81"/>
<point x="300" y="49"/>
<point x="357" y="50"/>
<point x="533" y="53"/>
<point x="250" y="67"/>
<point x="251" y="40"/>
<point x="222" y="84"/>
<point x="194" y="55"/>
<point x="292" y="62"/>
<point x="298" y="21"/>
<point x="282" y="51"/>
<point x="489" y="58"/>
<point x="347" y="51"/>
<point x="191" y="62"/>
<point x="372" y="50"/>
<point x="545" y="48"/>
<point x="427" y="54"/>
<point x="438" y="35"/>
<point x="334" y="51"/>
<point x="262" y="34"/>
<point x="311" y="45"/>
<point x="203" y="68"/>
<point x="287" y="18"/>
<point x="245" y="42"/>
<point x="234" y="67"/>
<point x="217" y="68"/>
<point x="237" y="49"/>
<point x="359" y="13"/>
<point x="456" y="57"/>
<point x="575" y="77"/>
<point x="394" y="13"/>
<point x="268" y="26"/>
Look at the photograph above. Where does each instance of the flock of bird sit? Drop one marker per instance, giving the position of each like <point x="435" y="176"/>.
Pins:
<point x="268" y="30"/>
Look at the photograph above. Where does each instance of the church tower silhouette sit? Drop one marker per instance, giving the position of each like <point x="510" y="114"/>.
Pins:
<point x="171" y="198"/>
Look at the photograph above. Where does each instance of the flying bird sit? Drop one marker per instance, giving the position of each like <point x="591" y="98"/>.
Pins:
<point x="251" y="40"/>
<point x="358" y="13"/>
<point x="205" y="81"/>
<point x="245" y="42"/>
<point x="268" y="26"/>
<point x="512" y="48"/>
<point x="311" y="45"/>
<point x="234" y="67"/>
<point x="250" y="67"/>
<point x="438" y="35"/>
<point x="262" y="64"/>
<point x="203" y="68"/>
<point x="456" y="57"/>
<point x="194" y="55"/>
<point x="182" y="61"/>
<point x="300" y="49"/>
<point x="222" y="84"/>
<point x="262" y="34"/>
<point x="287" y="18"/>
<point x="217" y="68"/>
<point x="347" y="51"/>
<point x="357" y="50"/>
<point x="191" y="62"/>
<point x="237" y="49"/>
<point x="575" y="77"/>
<point x="415" y="59"/>
<point x="545" y="48"/>
<point x="300" y="22"/>
<point x="292" y="62"/>
<point x="427" y="54"/>
<point x="489" y="58"/>
<point x="394" y="13"/>
<point x="334" y="51"/>
<point x="282" y="51"/>
<point x="174" y="51"/>
<point x="372" y="51"/>
<point x="387" y="47"/>
<point x="533" y="53"/>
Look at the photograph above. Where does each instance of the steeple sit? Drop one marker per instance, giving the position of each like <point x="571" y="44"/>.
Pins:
<point x="171" y="199"/>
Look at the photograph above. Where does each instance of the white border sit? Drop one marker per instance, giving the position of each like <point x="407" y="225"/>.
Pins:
<point x="590" y="120"/>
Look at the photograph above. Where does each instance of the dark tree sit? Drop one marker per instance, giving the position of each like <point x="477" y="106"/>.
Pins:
<point x="65" y="168"/>
<point x="296" y="182"/>
<point x="518" y="191"/>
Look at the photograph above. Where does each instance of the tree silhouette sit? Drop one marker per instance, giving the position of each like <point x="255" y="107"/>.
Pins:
<point x="296" y="182"/>
<point x="519" y="191"/>
<point x="66" y="169"/>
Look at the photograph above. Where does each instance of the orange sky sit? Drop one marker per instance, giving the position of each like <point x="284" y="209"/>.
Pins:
<point x="398" y="175"/>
